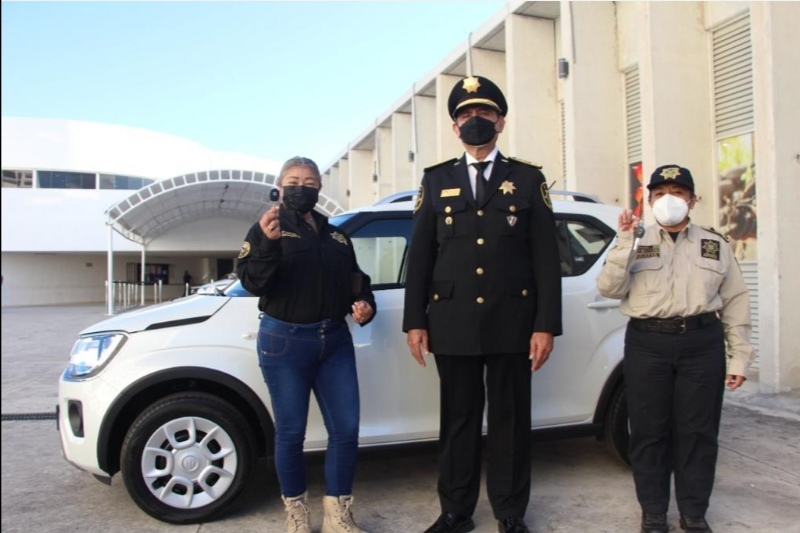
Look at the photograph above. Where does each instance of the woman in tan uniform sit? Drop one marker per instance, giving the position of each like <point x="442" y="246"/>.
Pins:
<point x="686" y="298"/>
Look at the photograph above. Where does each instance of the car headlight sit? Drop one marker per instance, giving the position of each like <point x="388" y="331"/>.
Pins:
<point x="92" y="352"/>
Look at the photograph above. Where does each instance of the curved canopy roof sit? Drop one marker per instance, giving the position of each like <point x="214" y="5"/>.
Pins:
<point x="168" y="203"/>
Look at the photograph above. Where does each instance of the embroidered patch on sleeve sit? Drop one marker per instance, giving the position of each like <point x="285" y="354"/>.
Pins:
<point x="419" y="198"/>
<point x="245" y="251"/>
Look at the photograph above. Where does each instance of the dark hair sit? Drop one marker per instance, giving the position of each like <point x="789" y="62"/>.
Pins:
<point x="298" y="161"/>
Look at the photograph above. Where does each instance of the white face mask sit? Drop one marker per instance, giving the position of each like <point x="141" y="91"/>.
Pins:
<point x="670" y="210"/>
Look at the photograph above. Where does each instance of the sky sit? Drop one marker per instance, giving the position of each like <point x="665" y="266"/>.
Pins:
<point x="269" y="79"/>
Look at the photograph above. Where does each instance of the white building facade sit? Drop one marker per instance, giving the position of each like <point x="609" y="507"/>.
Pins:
<point x="85" y="203"/>
<point x="600" y="93"/>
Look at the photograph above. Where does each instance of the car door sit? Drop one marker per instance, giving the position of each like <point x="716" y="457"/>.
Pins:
<point x="399" y="398"/>
<point x="567" y="388"/>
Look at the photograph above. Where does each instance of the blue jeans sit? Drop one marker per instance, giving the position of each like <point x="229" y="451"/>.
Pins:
<point x="296" y="359"/>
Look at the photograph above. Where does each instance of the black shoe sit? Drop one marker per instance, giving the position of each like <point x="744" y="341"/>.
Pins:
<point x="451" y="523"/>
<point x="512" y="525"/>
<point x="654" y="523"/>
<point x="694" y="525"/>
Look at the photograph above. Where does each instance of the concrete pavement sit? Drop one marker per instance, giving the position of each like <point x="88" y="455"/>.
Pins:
<point x="577" y="485"/>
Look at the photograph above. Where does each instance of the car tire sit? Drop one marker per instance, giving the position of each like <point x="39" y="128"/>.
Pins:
<point x="616" y="430"/>
<point x="187" y="457"/>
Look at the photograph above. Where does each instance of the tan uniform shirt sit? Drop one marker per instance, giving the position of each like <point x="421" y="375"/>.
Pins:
<point x="695" y="274"/>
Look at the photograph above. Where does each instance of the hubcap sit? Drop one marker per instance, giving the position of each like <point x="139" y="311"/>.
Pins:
<point x="189" y="462"/>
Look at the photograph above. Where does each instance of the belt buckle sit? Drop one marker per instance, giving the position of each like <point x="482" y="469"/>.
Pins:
<point x="681" y="322"/>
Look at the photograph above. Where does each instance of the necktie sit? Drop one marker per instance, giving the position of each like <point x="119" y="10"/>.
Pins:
<point x="480" y="181"/>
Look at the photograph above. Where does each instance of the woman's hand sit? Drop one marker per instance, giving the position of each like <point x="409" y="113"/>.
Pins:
<point x="362" y="312"/>
<point x="270" y="225"/>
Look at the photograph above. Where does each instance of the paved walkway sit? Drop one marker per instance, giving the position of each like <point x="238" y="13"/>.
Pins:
<point x="577" y="486"/>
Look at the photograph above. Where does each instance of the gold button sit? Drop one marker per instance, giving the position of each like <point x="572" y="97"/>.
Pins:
<point x="479" y="271"/>
<point x="448" y="221"/>
<point x="513" y="208"/>
<point x="480" y="299"/>
<point x="435" y="297"/>
<point x="480" y="241"/>
<point x="448" y="209"/>
<point x="524" y="292"/>
<point x="480" y="212"/>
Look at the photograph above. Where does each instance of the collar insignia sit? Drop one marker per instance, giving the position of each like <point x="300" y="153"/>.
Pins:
<point x="671" y="173"/>
<point x="507" y="187"/>
<point x="338" y="237"/>
<point x="471" y="84"/>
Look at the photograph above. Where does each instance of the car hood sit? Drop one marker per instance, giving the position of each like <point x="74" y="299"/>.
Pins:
<point x="188" y="310"/>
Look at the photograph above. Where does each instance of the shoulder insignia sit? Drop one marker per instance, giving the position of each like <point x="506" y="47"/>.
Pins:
<point x="546" y="195"/>
<point x="245" y="251"/>
<point x="437" y="165"/>
<point x="338" y="237"/>
<point x="716" y="232"/>
<point x="524" y="162"/>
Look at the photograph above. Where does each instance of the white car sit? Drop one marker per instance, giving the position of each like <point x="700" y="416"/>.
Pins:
<point x="172" y="395"/>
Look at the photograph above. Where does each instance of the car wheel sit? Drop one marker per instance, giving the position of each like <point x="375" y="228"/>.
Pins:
<point x="187" y="457"/>
<point x="616" y="430"/>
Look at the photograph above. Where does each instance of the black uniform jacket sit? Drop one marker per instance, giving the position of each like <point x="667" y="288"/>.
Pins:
<point x="482" y="279"/>
<point x="305" y="276"/>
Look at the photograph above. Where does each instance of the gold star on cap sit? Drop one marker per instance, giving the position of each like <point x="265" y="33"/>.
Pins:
<point x="507" y="187"/>
<point x="471" y="84"/>
<point x="671" y="173"/>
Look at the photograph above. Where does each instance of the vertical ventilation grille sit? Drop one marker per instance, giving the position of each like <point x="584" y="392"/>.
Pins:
<point x="733" y="77"/>
<point x="633" y="115"/>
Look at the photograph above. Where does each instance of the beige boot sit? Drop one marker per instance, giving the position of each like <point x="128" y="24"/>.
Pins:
<point x="338" y="517"/>
<point x="297" y="515"/>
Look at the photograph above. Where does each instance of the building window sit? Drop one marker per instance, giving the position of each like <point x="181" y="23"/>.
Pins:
<point x="47" y="179"/>
<point x="18" y="178"/>
<point x="113" y="181"/>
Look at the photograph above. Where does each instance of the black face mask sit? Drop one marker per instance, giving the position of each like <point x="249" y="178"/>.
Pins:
<point x="477" y="131"/>
<point x="299" y="198"/>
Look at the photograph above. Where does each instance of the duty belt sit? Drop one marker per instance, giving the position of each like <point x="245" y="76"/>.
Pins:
<point x="677" y="324"/>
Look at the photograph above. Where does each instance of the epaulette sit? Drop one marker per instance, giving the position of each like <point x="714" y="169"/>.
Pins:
<point x="518" y="160"/>
<point x="716" y="231"/>
<point x="437" y="165"/>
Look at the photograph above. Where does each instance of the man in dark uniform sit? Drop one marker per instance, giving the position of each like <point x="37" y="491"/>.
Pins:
<point x="483" y="293"/>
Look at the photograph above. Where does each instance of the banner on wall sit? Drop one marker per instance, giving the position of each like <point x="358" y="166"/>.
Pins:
<point x="737" y="194"/>
<point x="637" y="191"/>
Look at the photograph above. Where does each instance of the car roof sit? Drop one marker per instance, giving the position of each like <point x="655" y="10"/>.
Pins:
<point x="607" y="213"/>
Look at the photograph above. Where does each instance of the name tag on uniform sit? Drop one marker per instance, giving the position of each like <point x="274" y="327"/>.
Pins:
<point x="643" y="252"/>
<point x="446" y="193"/>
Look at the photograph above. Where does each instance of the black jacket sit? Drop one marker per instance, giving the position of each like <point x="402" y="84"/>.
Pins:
<point x="482" y="279"/>
<point x="305" y="276"/>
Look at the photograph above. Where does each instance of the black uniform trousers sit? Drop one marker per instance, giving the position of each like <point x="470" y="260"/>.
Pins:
<point x="675" y="383"/>
<point x="466" y="383"/>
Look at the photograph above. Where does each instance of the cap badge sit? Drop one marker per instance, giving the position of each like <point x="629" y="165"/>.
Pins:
<point x="507" y="187"/>
<point x="471" y="84"/>
<point x="671" y="173"/>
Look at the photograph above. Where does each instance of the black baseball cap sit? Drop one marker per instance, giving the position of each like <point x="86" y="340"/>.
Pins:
<point x="476" y="90"/>
<point x="671" y="174"/>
